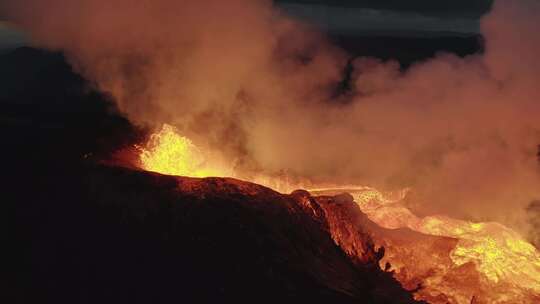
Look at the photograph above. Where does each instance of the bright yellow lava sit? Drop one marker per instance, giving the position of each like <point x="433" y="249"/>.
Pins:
<point x="169" y="153"/>
<point x="498" y="252"/>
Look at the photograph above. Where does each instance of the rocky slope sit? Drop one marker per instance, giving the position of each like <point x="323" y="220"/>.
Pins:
<point x="98" y="234"/>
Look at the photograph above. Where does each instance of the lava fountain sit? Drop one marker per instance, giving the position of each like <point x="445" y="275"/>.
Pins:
<point x="167" y="152"/>
<point x="440" y="259"/>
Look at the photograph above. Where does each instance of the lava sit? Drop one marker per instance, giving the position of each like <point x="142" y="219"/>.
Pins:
<point x="441" y="259"/>
<point x="169" y="153"/>
<point x="509" y="266"/>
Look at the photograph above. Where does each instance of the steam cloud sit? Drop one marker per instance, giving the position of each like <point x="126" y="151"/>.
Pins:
<point x="242" y="78"/>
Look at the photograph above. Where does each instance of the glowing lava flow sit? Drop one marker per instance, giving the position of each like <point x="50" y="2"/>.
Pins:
<point x="453" y="261"/>
<point x="509" y="267"/>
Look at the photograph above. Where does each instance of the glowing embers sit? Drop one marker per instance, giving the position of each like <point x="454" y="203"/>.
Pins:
<point x="169" y="153"/>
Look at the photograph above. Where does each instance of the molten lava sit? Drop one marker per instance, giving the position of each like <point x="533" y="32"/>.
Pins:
<point x="508" y="266"/>
<point x="443" y="260"/>
<point x="169" y="153"/>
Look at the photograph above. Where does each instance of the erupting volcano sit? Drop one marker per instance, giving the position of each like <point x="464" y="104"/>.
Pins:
<point x="276" y="150"/>
<point x="441" y="259"/>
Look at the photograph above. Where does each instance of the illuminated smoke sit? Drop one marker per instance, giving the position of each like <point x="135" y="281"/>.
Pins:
<point x="243" y="80"/>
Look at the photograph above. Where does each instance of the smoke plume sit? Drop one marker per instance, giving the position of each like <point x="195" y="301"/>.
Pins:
<point x="242" y="78"/>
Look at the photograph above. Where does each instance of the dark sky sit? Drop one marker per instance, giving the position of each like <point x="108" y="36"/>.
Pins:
<point x="393" y="17"/>
<point x="472" y="8"/>
<point x="364" y="16"/>
<point x="10" y="38"/>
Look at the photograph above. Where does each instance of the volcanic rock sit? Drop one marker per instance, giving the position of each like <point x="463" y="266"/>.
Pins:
<point x="99" y="234"/>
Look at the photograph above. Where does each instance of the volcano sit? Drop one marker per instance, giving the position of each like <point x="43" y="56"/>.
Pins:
<point x="113" y="235"/>
<point x="207" y="151"/>
<point x="464" y="261"/>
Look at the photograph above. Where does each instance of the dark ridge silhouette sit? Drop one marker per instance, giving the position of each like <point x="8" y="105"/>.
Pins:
<point x="96" y="234"/>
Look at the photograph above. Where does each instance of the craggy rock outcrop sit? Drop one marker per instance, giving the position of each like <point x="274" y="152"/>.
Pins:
<point x="311" y="207"/>
<point x="344" y="221"/>
<point x="99" y="234"/>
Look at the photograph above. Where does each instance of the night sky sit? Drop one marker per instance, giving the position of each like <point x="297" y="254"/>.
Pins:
<point x="364" y="17"/>
<point x="391" y="17"/>
<point x="455" y="8"/>
<point x="10" y="38"/>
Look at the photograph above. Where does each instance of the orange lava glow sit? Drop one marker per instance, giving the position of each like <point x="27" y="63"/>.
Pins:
<point x="453" y="261"/>
<point x="167" y="152"/>
<point x="508" y="267"/>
